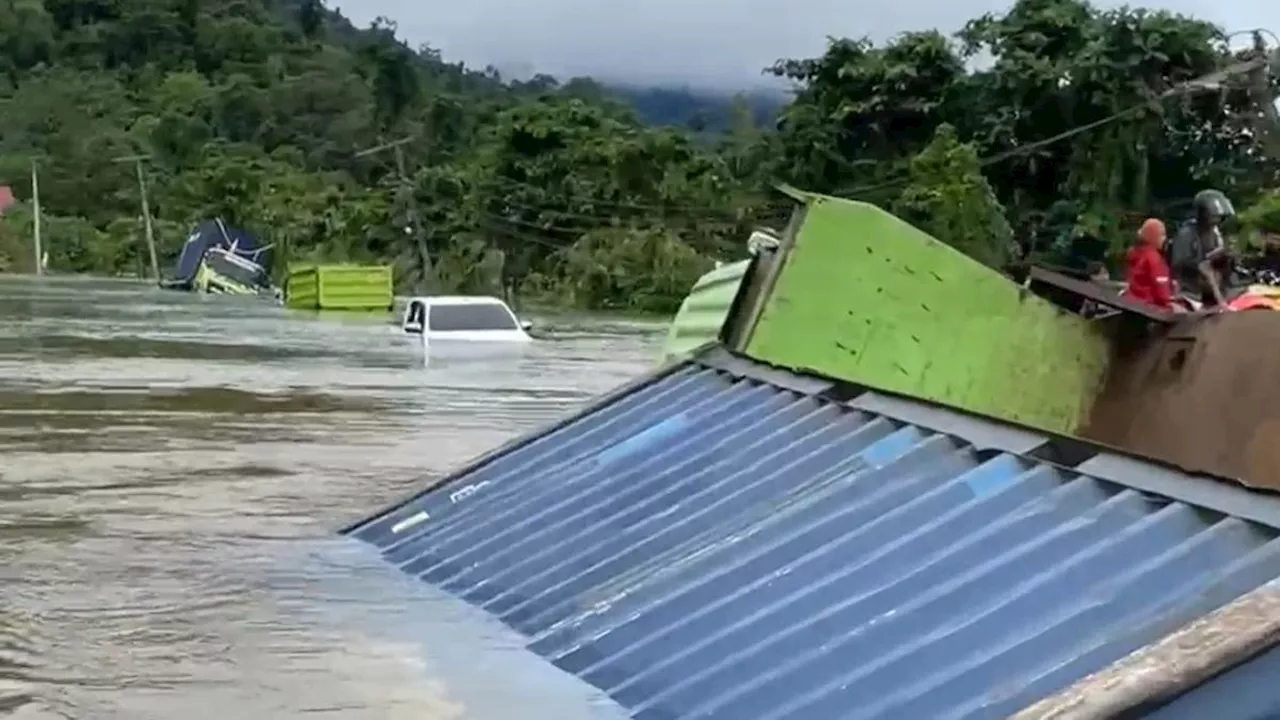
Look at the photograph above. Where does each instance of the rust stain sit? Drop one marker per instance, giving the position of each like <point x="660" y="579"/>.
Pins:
<point x="1260" y="454"/>
<point x="1204" y="395"/>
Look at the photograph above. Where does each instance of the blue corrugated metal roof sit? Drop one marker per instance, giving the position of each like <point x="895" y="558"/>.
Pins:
<point x="717" y="546"/>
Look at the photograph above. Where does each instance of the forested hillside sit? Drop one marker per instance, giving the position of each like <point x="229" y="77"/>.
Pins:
<point x="257" y="110"/>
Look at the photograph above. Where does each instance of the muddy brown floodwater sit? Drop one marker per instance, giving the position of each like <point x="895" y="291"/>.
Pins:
<point x="172" y="472"/>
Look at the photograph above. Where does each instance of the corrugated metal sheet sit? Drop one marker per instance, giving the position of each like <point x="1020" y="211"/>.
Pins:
<point x="717" y="546"/>
<point x="704" y="310"/>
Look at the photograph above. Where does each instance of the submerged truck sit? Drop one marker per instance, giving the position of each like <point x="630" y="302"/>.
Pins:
<point x="894" y="484"/>
<point x="218" y="258"/>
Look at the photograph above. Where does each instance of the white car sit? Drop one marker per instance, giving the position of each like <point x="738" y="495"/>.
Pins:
<point x="464" y="318"/>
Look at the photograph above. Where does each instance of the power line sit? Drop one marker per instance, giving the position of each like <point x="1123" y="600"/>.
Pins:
<point x="518" y="235"/>
<point x="1206" y="82"/>
<point x="1211" y="81"/>
<point x="543" y="227"/>
<point x="495" y="183"/>
<point x="559" y="214"/>
<point x="551" y="227"/>
<point x="503" y="226"/>
<point x="411" y="206"/>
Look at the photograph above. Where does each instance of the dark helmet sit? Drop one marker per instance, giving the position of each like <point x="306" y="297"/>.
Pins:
<point x="1212" y="207"/>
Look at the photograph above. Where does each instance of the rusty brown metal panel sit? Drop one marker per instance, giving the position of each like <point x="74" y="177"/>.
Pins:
<point x="1204" y="396"/>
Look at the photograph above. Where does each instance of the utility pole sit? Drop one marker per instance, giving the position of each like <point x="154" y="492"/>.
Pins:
<point x="35" y="206"/>
<point x="1260" y="92"/>
<point x="1256" y="73"/>
<point x="411" y="206"/>
<point x="137" y="161"/>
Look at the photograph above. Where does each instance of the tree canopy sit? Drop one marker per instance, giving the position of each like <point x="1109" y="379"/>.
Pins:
<point x="1013" y="137"/>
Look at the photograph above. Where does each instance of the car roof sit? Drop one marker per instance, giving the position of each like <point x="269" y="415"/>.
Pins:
<point x="459" y="300"/>
<point x="235" y="258"/>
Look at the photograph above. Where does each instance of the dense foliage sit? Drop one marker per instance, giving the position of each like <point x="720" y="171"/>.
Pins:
<point x="257" y="111"/>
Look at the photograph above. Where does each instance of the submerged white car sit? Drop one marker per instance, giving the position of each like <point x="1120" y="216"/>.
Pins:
<point x="465" y="319"/>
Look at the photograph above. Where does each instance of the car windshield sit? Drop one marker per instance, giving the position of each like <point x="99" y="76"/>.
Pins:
<point x="471" y="316"/>
<point x="250" y="275"/>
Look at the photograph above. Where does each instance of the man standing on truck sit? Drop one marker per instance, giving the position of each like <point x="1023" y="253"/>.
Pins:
<point x="1199" y="254"/>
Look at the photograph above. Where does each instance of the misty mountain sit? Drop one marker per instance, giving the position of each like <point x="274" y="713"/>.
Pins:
<point x="698" y="110"/>
<point x="704" y="111"/>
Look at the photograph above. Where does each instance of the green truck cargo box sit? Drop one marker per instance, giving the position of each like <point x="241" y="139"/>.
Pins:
<point x="340" y="287"/>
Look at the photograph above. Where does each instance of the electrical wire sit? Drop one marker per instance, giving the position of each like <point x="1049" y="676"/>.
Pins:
<point x="995" y="159"/>
<point x="528" y="237"/>
<point x="751" y="215"/>
<point x="1180" y="90"/>
<point x="1251" y="31"/>
<point x="506" y="228"/>
<point x="492" y="221"/>
<point x="498" y="183"/>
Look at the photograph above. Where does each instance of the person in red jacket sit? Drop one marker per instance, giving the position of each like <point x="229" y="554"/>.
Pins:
<point x="1147" y="273"/>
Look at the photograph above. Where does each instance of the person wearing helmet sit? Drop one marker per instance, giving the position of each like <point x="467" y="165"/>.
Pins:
<point x="1199" y="254"/>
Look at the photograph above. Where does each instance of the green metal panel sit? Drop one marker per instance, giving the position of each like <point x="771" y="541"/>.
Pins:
<point x="704" y="310"/>
<point x="302" y="289"/>
<point x="340" y="287"/>
<point x="866" y="297"/>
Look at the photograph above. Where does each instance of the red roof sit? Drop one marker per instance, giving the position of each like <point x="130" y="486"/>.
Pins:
<point x="6" y="198"/>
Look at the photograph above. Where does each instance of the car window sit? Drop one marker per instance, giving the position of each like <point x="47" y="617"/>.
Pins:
<point x="234" y="270"/>
<point x="471" y="316"/>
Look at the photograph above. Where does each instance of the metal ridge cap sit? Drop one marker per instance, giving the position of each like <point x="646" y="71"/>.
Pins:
<point x="1114" y="465"/>
<point x="1224" y="496"/>
<point x="718" y="357"/>
<point x="981" y="432"/>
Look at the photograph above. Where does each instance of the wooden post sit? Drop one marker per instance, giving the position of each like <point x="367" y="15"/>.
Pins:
<point x="137" y="161"/>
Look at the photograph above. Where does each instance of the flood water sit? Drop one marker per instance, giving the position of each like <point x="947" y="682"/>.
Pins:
<point x="173" y="469"/>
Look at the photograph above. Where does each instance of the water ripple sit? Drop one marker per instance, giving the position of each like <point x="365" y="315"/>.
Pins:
<point x="172" y="469"/>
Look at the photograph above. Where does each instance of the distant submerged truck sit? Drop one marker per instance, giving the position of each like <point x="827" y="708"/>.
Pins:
<point x="221" y="259"/>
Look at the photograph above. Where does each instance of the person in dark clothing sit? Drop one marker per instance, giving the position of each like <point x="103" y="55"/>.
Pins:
<point x="1263" y="265"/>
<point x="1100" y="276"/>
<point x="1199" y="254"/>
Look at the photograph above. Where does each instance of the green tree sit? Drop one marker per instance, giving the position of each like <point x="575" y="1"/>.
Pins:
<point x="949" y="198"/>
<point x="1072" y="107"/>
<point x="255" y="110"/>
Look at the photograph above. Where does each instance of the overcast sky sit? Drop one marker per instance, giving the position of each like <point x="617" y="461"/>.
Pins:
<point x="701" y="43"/>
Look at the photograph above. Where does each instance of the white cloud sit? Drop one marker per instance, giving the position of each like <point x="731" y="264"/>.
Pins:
<point x="709" y="43"/>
